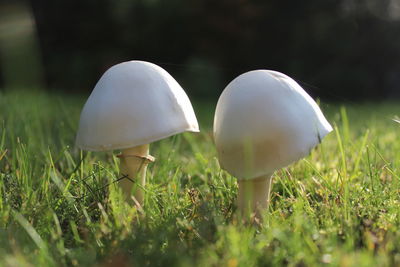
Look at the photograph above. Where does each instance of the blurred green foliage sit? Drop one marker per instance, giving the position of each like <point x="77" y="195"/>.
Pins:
<point x="336" y="49"/>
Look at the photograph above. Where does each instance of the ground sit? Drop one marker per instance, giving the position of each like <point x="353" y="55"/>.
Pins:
<point x="60" y="207"/>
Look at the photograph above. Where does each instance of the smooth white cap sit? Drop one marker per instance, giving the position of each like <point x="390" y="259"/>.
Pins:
<point x="134" y="103"/>
<point x="264" y="121"/>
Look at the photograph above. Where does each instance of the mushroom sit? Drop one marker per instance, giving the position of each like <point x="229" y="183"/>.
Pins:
<point x="264" y="121"/>
<point x="132" y="105"/>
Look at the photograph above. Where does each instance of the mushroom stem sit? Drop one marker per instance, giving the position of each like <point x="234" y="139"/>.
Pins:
<point x="134" y="163"/>
<point x="253" y="196"/>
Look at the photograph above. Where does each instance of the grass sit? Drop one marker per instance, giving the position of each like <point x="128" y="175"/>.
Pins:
<point x="59" y="207"/>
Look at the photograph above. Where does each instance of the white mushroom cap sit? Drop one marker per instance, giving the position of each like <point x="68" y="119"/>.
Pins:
<point x="134" y="103"/>
<point x="264" y="121"/>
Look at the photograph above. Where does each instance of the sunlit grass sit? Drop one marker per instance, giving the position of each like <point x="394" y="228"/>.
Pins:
<point x="59" y="205"/>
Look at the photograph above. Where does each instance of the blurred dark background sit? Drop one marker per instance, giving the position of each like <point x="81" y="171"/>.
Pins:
<point x="336" y="49"/>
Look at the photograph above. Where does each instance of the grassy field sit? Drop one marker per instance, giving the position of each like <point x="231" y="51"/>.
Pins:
<point x="59" y="206"/>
